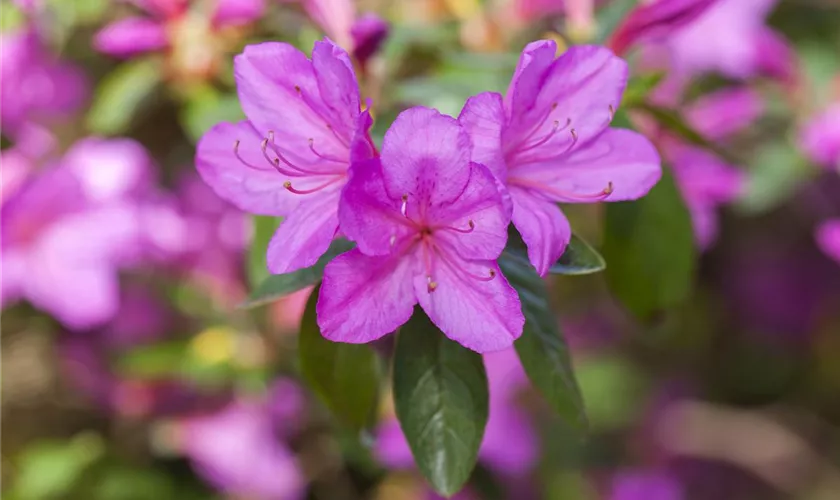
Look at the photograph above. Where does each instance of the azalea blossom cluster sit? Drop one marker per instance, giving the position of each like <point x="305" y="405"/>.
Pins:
<point x="429" y="213"/>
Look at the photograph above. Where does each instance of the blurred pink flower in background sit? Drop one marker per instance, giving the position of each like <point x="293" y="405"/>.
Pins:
<point x="70" y="228"/>
<point x="34" y="85"/>
<point x="820" y="138"/>
<point x="510" y="446"/>
<point x="645" y="485"/>
<point x="828" y="238"/>
<point x="241" y="450"/>
<point x="655" y="20"/>
<point x="358" y="35"/>
<point x="195" y="35"/>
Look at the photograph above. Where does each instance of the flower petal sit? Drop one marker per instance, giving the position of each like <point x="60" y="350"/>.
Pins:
<point x="131" y="36"/>
<point x="234" y="12"/>
<point x="544" y="228"/>
<point x="483" y="117"/>
<point x="656" y="20"/>
<point x="110" y="169"/>
<point x="828" y="238"/>
<point x="481" y="204"/>
<point x="619" y="160"/>
<point x="363" y="298"/>
<point x="482" y="315"/>
<point x="368" y="33"/>
<point x="536" y="59"/>
<point x="575" y="102"/>
<point x="305" y="234"/>
<point x="425" y="155"/>
<point x="279" y="92"/>
<point x="368" y="215"/>
<point x="250" y="183"/>
<point x="337" y="83"/>
<point x="723" y="113"/>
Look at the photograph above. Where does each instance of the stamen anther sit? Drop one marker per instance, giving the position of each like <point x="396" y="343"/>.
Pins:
<point x="431" y="285"/>
<point x="404" y="206"/>
<point x="612" y="112"/>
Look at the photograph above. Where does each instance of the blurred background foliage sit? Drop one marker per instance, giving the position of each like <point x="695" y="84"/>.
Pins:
<point x="712" y="372"/>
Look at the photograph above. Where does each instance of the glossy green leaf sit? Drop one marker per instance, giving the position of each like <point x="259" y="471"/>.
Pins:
<point x="649" y="244"/>
<point x="121" y="94"/>
<point x="278" y="286"/>
<point x="441" y="400"/>
<point x="345" y="376"/>
<point x="578" y="258"/>
<point x="541" y="348"/>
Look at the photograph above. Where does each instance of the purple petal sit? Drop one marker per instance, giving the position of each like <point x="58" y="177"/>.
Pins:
<point x="336" y="82"/>
<point x="131" y="36"/>
<point x="776" y="57"/>
<point x="368" y="215"/>
<point x="510" y="443"/>
<point x="305" y="234"/>
<point x="534" y="62"/>
<point x="363" y="298"/>
<point x="656" y="20"/>
<point x="368" y="32"/>
<point x="110" y="169"/>
<point x="235" y="12"/>
<point x="481" y="314"/>
<point x="619" y="163"/>
<point x="425" y="155"/>
<point x="828" y="238"/>
<point x="543" y="227"/>
<point x="279" y="92"/>
<point x="645" y="485"/>
<point x="391" y="448"/>
<point x="480" y="211"/>
<point x="483" y="117"/>
<point x="577" y="96"/>
<point x="820" y="138"/>
<point x="723" y="113"/>
<point x="162" y="8"/>
<point x="248" y="181"/>
<point x="335" y="17"/>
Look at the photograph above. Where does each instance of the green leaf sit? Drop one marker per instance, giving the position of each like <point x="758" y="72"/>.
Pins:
<point x="674" y="123"/>
<point x="277" y="286"/>
<point x="610" y="16"/>
<point x="264" y="228"/>
<point x="206" y="107"/>
<point x="121" y="94"/>
<point x="50" y="469"/>
<point x="541" y="348"/>
<point x="639" y="87"/>
<point x="649" y="244"/>
<point x="578" y="258"/>
<point x="441" y="400"/>
<point x="345" y="376"/>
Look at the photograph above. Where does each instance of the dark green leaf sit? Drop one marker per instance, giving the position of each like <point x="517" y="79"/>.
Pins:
<point x="541" y="348"/>
<point x="277" y="286"/>
<point x="121" y="94"/>
<point x="440" y="395"/>
<point x="649" y="244"/>
<point x="345" y="376"/>
<point x="578" y="258"/>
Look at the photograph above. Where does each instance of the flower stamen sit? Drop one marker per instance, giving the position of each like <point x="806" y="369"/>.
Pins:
<point x="290" y="188"/>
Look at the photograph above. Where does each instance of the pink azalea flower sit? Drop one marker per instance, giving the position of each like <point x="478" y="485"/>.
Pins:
<point x="429" y="226"/>
<point x="69" y="229"/>
<point x="654" y="20"/>
<point x="549" y="141"/>
<point x="290" y="158"/>
<point x="240" y="449"/>
<point x="510" y="446"/>
<point x="646" y="485"/>
<point x="820" y="138"/>
<point x="360" y="36"/>
<point x="193" y="38"/>
<point x="731" y="38"/>
<point x="34" y="85"/>
<point x="828" y="238"/>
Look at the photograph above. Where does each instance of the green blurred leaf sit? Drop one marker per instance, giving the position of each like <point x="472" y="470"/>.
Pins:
<point x="578" y="258"/>
<point x="649" y="244"/>
<point x="776" y="172"/>
<point x="121" y="95"/>
<point x="264" y="228"/>
<point x="158" y="360"/>
<point x="639" y="87"/>
<point x="673" y="122"/>
<point x="610" y="16"/>
<point x="345" y="376"/>
<point x="613" y="390"/>
<point x="50" y="469"/>
<point x="441" y="400"/>
<point x="541" y="348"/>
<point x="278" y="286"/>
<point x="207" y="107"/>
